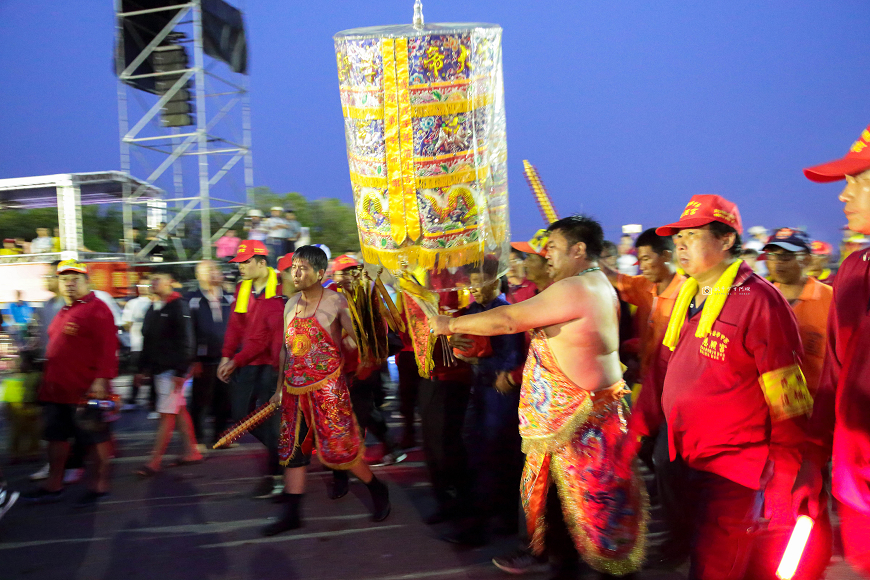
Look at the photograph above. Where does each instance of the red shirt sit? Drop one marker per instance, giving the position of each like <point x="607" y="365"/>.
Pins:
<point x="257" y="334"/>
<point x="521" y="292"/>
<point x="840" y="425"/>
<point x="736" y="398"/>
<point x="82" y="347"/>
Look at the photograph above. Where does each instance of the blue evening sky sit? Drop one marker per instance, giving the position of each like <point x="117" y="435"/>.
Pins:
<point x="627" y="107"/>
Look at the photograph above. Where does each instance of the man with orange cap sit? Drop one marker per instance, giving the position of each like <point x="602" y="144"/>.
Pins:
<point x="840" y="428"/>
<point x="734" y="398"/>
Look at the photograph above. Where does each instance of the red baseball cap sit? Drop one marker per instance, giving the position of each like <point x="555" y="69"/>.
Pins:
<point x="537" y="245"/>
<point x="821" y="248"/>
<point x="856" y="161"/>
<point x="250" y="248"/>
<point x="344" y="262"/>
<point x="285" y="261"/>
<point x="702" y="210"/>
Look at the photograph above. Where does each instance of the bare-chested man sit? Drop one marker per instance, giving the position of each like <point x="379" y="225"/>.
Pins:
<point x="312" y="391"/>
<point x="578" y="484"/>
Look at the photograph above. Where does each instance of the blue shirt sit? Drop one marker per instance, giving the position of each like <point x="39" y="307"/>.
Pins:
<point x="507" y="349"/>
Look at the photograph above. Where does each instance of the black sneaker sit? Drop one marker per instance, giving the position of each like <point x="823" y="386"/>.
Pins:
<point x="41" y="495"/>
<point x="522" y="561"/>
<point x="7" y="500"/>
<point x="90" y="498"/>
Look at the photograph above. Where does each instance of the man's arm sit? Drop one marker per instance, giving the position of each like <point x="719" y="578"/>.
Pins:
<point x="559" y="303"/>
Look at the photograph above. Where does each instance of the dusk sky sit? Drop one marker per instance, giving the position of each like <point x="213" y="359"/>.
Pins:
<point x="627" y="107"/>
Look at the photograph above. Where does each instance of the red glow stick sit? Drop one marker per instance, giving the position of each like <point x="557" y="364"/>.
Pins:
<point x="795" y="549"/>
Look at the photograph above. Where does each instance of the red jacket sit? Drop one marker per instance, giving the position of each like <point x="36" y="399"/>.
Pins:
<point x="82" y="347"/>
<point x="736" y="398"/>
<point x="254" y="337"/>
<point x="840" y="424"/>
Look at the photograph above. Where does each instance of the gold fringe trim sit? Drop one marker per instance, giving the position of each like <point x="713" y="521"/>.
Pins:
<point x="313" y="386"/>
<point x="570" y="512"/>
<point x="430" y="182"/>
<point x="551" y="442"/>
<point x="362" y="113"/>
<point x="452" y="107"/>
<point x="428" y="259"/>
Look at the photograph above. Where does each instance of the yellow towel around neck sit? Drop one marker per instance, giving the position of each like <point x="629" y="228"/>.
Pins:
<point x="245" y="291"/>
<point x="710" y="311"/>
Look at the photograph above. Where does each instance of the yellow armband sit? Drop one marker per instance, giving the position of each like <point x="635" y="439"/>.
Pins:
<point x="786" y="393"/>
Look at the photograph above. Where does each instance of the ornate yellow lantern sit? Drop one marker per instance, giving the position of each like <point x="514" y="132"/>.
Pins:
<point x="424" y="120"/>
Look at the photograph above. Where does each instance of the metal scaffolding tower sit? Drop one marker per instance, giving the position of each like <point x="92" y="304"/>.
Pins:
<point x="190" y="115"/>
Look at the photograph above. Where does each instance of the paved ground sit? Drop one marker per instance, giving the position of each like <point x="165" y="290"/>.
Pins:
<point x="196" y="522"/>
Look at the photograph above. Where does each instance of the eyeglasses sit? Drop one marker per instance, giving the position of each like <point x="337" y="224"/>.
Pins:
<point x="783" y="257"/>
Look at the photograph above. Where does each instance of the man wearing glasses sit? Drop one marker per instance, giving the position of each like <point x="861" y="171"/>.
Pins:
<point x="788" y="255"/>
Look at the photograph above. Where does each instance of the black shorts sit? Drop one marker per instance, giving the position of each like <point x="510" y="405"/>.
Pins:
<point x="60" y="424"/>
<point x="298" y="457"/>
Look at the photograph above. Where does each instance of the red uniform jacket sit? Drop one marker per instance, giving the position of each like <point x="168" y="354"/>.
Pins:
<point x="255" y="337"/>
<point x="840" y="424"/>
<point x="82" y="346"/>
<point x="736" y="399"/>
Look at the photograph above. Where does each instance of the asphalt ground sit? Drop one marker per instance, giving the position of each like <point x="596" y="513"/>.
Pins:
<point x="198" y="522"/>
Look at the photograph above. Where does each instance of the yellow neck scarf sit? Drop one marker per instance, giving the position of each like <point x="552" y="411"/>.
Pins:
<point x="245" y="290"/>
<point x="710" y="311"/>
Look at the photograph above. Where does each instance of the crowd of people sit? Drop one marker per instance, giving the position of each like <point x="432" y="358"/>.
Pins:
<point x="732" y="370"/>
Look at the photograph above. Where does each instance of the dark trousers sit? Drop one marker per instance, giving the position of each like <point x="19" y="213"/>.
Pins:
<point x="494" y="447"/>
<point x="366" y="397"/>
<point x="209" y="394"/>
<point x="253" y="386"/>
<point x="670" y="486"/>
<point x="152" y="392"/>
<point x="409" y="386"/>
<point x="442" y="411"/>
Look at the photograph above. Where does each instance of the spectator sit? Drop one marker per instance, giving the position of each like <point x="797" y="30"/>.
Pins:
<point x="167" y="351"/>
<point x="276" y="238"/>
<point x="496" y="458"/>
<point x="530" y="266"/>
<point x="285" y="263"/>
<point x="20" y="312"/>
<point x="294" y="231"/>
<point x="42" y="243"/>
<point x="820" y="262"/>
<point x="131" y="320"/>
<point x="788" y="255"/>
<point x="365" y="383"/>
<point x="55" y="241"/>
<point x="250" y="353"/>
<point x="80" y="362"/>
<point x="256" y="229"/>
<point x="227" y="245"/>
<point x="9" y="248"/>
<point x="750" y="256"/>
<point x="49" y="309"/>
<point x="626" y="263"/>
<point x="210" y="312"/>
